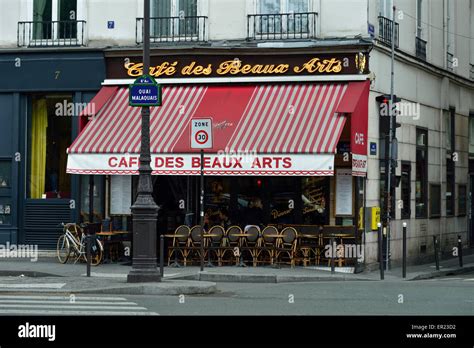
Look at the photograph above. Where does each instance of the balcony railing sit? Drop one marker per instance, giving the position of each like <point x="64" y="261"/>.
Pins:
<point x="282" y="26"/>
<point x="420" y="48"/>
<point x="385" y="31"/>
<point x="450" y="61"/>
<point x="50" y="33"/>
<point x="174" y="29"/>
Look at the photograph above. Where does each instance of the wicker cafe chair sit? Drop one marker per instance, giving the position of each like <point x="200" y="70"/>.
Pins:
<point x="230" y="242"/>
<point x="195" y="243"/>
<point x="180" y="244"/>
<point x="266" y="252"/>
<point x="287" y="245"/>
<point x="251" y="243"/>
<point x="215" y="242"/>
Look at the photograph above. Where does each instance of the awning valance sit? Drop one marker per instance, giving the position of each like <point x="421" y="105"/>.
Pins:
<point x="264" y="129"/>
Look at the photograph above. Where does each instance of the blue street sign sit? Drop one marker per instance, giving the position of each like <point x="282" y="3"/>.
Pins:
<point x="145" y="92"/>
<point x="373" y="149"/>
<point x="371" y="29"/>
<point x="110" y="24"/>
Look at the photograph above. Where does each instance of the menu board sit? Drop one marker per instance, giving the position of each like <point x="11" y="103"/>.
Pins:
<point x="120" y="195"/>
<point x="344" y="192"/>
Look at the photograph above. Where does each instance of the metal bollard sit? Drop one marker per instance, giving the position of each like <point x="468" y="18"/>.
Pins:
<point x="460" y="251"/>
<point x="404" y="246"/>
<point x="380" y="242"/>
<point x="435" y="243"/>
<point x="88" y="255"/>
<point x="162" y="255"/>
<point x="333" y="254"/>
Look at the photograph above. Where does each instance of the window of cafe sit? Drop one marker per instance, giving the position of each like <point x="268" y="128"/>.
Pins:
<point x="49" y="137"/>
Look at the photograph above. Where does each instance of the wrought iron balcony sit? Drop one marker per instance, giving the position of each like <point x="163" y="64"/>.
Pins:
<point x="420" y="48"/>
<point x="450" y="61"/>
<point x="385" y="31"/>
<point x="50" y="33"/>
<point x="282" y="26"/>
<point x="174" y="29"/>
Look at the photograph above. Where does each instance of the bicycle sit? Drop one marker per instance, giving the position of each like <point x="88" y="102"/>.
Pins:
<point x="73" y="241"/>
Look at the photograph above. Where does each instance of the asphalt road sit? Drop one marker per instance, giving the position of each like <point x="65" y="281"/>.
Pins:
<point x="439" y="296"/>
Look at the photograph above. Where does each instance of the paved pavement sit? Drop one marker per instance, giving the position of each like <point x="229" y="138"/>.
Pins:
<point x="48" y="275"/>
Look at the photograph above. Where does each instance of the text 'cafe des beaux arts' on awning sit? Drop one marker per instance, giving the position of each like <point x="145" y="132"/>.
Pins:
<point x="289" y="138"/>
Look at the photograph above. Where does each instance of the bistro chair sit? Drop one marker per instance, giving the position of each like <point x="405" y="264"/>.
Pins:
<point x="286" y="246"/>
<point x="180" y="245"/>
<point x="251" y="243"/>
<point x="230" y="242"/>
<point x="215" y="242"/>
<point x="267" y="245"/>
<point x="195" y="243"/>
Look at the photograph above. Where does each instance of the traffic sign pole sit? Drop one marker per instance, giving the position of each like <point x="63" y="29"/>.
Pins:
<point x="202" y="210"/>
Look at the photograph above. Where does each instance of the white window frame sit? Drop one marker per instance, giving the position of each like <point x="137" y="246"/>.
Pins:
<point x="27" y="15"/>
<point x="385" y="8"/>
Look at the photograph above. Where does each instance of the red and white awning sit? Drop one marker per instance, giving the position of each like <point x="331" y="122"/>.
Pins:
<point x="265" y="129"/>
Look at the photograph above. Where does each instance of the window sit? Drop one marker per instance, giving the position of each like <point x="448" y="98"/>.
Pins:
<point x="435" y="200"/>
<point x="315" y="195"/>
<point x="385" y="8"/>
<point x="172" y="18"/>
<point x="421" y="172"/>
<point x="5" y="174"/>
<point x="292" y="16"/>
<point x="49" y="137"/>
<point x="450" y="165"/>
<point x="419" y="8"/>
<point x="54" y="19"/>
<point x="462" y="200"/>
<point x="471" y="133"/>
<point x="406" y="190"/>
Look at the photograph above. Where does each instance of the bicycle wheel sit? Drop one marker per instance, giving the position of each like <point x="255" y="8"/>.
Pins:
<point x="97" y="252"/>
<point x="63" y="249"/>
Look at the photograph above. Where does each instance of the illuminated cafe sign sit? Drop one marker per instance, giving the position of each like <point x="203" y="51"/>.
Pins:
<point x="239" y="65"/>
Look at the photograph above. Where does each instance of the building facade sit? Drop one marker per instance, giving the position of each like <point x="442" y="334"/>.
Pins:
<point x="433" y="68"/>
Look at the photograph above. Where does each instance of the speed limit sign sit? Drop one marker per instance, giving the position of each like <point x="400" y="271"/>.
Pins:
<point x="201" y="133"/>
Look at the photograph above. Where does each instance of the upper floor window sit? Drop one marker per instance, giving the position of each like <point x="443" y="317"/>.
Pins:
<point x="53" y="19"/>
<point x="283" y="6"/>
<point x="172" y="18"/>
<point x="385" y="8"/>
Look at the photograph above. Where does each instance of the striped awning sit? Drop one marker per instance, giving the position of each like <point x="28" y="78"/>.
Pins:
<point x="263" y="120"/>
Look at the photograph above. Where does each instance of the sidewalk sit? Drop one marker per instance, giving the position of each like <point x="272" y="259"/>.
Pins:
<point x="49" y="276"/>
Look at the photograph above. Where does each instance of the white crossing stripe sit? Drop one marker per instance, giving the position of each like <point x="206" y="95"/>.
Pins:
<point x="469" y="280"/>
<point x="34" y="286"/>
<point x="67" y="305"/>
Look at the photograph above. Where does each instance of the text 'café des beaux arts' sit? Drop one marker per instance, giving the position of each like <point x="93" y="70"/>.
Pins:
<point x="289" y="137"/>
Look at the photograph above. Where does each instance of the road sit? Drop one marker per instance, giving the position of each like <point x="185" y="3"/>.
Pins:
<point x="438" y="296"/>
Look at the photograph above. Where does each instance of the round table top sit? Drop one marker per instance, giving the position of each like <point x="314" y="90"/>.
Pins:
<point x="242" y="235"/>
<point x="175" y="235"/>
<point x="211" y="235"/>
<point x="310" y="236"/>
<point x="274" y="235"/>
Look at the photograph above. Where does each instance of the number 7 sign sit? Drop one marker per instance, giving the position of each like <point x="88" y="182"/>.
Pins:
<point x="201" y="133"/>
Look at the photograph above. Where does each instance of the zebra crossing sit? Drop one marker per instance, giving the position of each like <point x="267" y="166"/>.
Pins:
<point x="69" y="305"/>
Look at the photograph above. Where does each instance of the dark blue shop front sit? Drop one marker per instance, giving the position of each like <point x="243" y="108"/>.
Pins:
<point x="41" y="94"/>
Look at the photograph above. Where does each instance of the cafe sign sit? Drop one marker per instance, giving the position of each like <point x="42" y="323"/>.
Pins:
<point x="239" y="65"/>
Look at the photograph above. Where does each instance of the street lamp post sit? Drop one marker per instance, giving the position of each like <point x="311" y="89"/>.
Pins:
<point x="145" y="210"/>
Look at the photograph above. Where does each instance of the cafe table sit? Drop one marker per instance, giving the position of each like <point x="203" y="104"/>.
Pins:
<point x="108" y="243"/>
<point x="241" y="261"/>
<point x="209" y="235"/>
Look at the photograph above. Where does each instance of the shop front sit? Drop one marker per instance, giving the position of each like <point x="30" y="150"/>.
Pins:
<point x="41" y="95"/>
<point x="283" y="153"/>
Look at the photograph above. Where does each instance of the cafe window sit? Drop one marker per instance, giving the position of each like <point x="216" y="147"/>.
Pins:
<point x="315" y="196"/>
<point x="283" y="200"/>
<point x="250" y="201"/>
<point x="435" y="200"/>
<point x="462" y="200"/>
<point x="406" y="190"/>
<point x="5" y="173"/>
<point x="62" y="12"/>
<point x="217" y="201"/>
<point x="421" y="172"/>
<point x="174" y="18"/>
<point x="49" y="138"/>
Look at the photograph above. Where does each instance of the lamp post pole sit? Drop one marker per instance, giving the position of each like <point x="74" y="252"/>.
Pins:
<point x="145" y="210"/>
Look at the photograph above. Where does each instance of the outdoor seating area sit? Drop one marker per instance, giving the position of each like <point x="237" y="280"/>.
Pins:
<point x="253" y="246"/>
